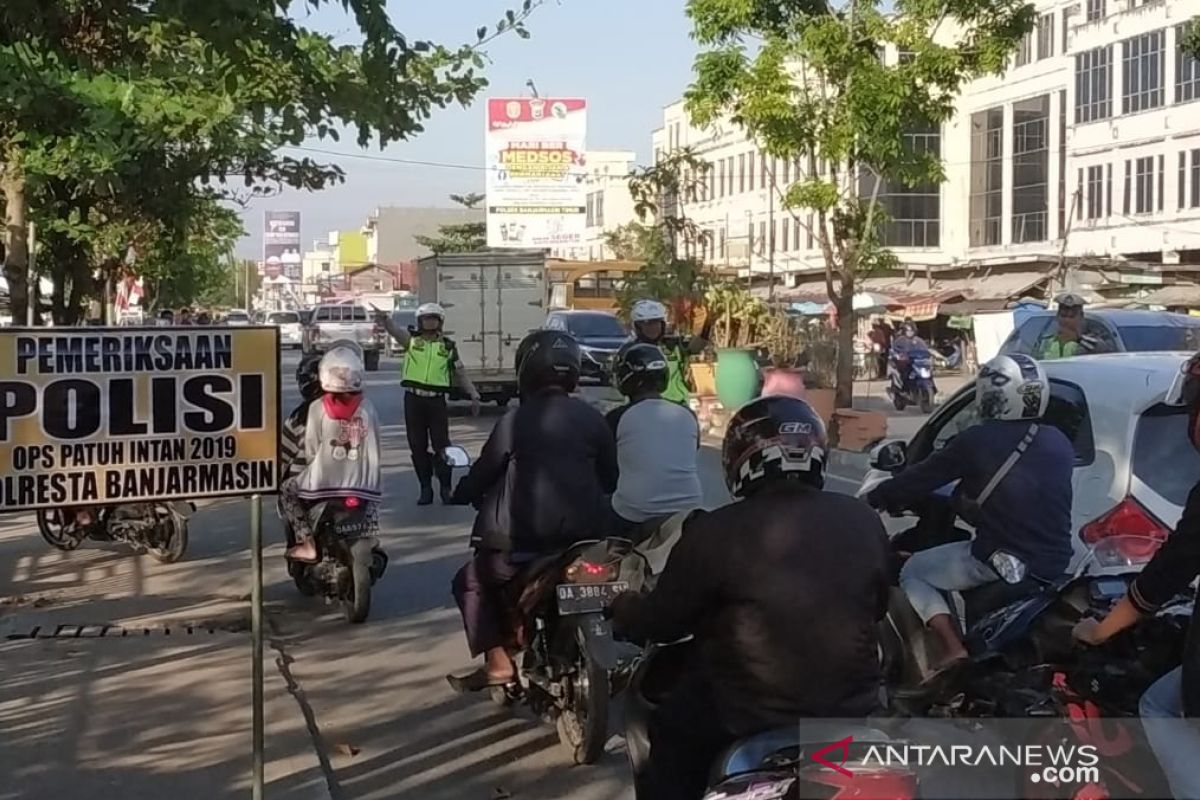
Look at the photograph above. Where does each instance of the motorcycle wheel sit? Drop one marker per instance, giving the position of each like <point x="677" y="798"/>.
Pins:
<point x="53" y="528"/>
<point x="300" y="578"/>
<point x="898" y="401"/>
<point x="926" y="401"/>
<point x="356" y="602"/>
<point x="583" y="724"/>
<point x="177" y="540"/>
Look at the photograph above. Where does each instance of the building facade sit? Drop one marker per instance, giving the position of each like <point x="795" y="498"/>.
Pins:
<point x="1087" y="149"/>
<point x="609" y="204"/>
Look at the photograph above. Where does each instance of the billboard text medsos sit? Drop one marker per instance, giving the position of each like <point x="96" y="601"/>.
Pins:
<point x="125" y="416"/>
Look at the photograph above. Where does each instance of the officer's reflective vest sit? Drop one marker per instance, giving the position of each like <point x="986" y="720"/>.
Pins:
<point x="427" y="364"/>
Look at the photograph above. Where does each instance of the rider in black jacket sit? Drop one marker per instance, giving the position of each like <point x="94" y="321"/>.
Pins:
<point x="1176" y="564"/>
<point x="540" y="485"/>
<point x="782" y="592"/>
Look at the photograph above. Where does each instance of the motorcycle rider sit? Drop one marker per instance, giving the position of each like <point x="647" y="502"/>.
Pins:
<point x="540" y="485"/>
<point x="782" y="589"/>
<point x="1176" y="695"/>
<point x="657" y="443"/>
<point x="291" y="441"/>
<point x="341" y="448"/>
<point x="1026" y="516"/>
<point x="431" y="365"/>
<point x="649" y="319"/>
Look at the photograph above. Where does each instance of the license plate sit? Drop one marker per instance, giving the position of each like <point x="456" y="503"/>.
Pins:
<point x="587" y="598"/>
<point x="351" y="528"/>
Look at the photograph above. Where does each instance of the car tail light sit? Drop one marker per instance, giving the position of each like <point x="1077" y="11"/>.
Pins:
<point x="352" y="502"/>
<point x="1129" y="530"/>
<point x="582" y="571"/>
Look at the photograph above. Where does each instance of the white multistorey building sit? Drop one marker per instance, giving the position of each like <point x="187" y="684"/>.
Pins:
<point x="1087" y="148"/>
<point x="609" y="203"/>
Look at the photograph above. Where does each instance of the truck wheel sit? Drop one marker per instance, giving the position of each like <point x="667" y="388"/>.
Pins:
<point x="371" y="361"/>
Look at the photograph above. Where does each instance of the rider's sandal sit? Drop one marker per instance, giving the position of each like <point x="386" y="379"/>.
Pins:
<point x="475" y="681"/>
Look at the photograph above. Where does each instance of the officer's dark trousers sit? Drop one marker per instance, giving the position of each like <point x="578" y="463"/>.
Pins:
<point x="427" y="422"/>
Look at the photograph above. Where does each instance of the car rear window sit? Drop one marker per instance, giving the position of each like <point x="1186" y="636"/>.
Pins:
<point x="1152" y="338"/>
<point x="1163" y="456"/>
<point x="284" y="318"/>
<point x="359" y="314"/>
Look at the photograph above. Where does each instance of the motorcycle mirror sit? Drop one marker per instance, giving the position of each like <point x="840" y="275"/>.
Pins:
<point x="456" y="456"/>
<point x="889" y="456"/>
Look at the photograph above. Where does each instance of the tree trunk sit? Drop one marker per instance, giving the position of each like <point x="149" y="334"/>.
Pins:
<point x="847" y="329"/>
<point x="16" y="259"/>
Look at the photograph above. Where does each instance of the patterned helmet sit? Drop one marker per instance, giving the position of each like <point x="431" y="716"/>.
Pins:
<point x="773" y="438"/>
<point x="1012" y="387"/>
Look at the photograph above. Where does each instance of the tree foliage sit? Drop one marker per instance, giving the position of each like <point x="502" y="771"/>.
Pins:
<point x="814" y="88"/>
<point x="1191" y="45"/>
<point x="125" y="125"/>
<point x="464" y="237"/>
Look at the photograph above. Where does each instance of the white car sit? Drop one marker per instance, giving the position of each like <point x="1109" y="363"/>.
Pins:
<point x="291" y="333"/>
<point x="237" y="317"/>
<point x="1134" y="464"/>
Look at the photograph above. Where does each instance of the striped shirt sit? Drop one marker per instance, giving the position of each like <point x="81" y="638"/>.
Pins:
<point x="292" y="442"/>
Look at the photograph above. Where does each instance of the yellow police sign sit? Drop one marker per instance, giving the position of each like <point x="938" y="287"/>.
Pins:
<point x="90" y="416"/>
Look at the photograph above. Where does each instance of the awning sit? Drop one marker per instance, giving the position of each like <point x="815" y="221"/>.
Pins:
<point x="1182" y="295"/>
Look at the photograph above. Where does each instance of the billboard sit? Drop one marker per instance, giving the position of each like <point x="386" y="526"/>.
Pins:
<point x="108" y="415"/>
<point x="281" y="245"/>
<point x="536" y="171"/>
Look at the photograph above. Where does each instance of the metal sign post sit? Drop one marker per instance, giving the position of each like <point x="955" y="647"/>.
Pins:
<point x="256" y="636"/>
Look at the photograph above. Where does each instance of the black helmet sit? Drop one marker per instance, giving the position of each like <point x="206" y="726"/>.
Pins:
<point x="548" y="358"/>
<point x="308" y="379"/>
<point x="640" y="368"/>
<point x="1190" y="396"/>
<point x="773" y="437"/>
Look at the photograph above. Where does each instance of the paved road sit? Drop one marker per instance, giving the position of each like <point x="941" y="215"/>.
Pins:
<point x="353" y="712"/>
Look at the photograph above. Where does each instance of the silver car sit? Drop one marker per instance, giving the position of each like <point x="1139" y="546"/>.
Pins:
<point x="291" y="333"/>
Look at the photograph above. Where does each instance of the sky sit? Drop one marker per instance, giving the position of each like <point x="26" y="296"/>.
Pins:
<point x="628" y="58"/>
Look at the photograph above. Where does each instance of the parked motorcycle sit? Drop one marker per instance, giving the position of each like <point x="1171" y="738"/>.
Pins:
<point x="910" y="376"/>
<point x="160" y="529"/>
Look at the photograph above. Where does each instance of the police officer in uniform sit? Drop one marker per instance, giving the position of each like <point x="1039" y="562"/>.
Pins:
<point x="649" y="319"/>
<point x="431" y="366"/>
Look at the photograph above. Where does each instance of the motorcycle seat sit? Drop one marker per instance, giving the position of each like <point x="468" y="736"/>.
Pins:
<point x="783" y="746"/>
<point x="982" y="600"/>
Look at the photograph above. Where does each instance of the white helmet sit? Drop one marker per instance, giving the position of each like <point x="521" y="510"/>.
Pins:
<point x="648" y="311"/>
<point x="341" y="370"/>
<point x="1012" y="387"/>
<point x="431" y="310"/>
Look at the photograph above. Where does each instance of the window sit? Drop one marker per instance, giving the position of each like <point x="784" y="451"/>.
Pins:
<point x="750" y="170"/>
<point x="1181" y="201"/>
<point x="1062" y="162"/>
<point x="1093" y="85"/>
<point x="1142" y="65"/>
<point x="1182" y="334"/>
<point x="1095" y="192"/>
<point x="1187" y="70"/>
<point x="1045" y="36"/>
<point x="987" y="176"/>
<point x="784" y="240"/>
<point x="914" y="212"/>
<point x="1095" y="10"/>
<point x="731" y="164"/>
<point x="905" y="56"/>
<point x="1067" y="13"/>
<point x="762" y="171"/>
<point x="749" y="238"/>
<point x="787" y="175"/>
<point x="1025" y="50"/>
<point x="1163" y="458"/>
<point x="1031" y="169"/>
<point x="1128" y="185"/>
<point x="809" y="231"/>
<point x="721" y="244"/>
<point x="1195" y="196"/>
<point x="1144" y="185"/>
<point x="1079" y="193"/>
<point x="1108" y="190"/>
<point x="796" y="234"/>
<point x="741" y="173"/>
<point x="1161" y="173"/>
<point x="721" y="178"/>
<point x="591" y="210"/>
<point x="762" y="238"/>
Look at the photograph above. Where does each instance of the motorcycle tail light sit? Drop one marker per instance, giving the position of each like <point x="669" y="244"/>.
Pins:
<point x="1126" y="535"/>
<point x="352" y="502"/>
<point x="582" y="571"/>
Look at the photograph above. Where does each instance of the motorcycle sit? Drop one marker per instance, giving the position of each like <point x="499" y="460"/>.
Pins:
<point x="772" y="765"/>
<point x="910" y="378"/>
<point x="160" y="529"/>
<point x="349" y="558"/>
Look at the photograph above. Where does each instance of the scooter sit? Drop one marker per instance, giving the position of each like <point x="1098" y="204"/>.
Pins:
<point x="911" y="379"/>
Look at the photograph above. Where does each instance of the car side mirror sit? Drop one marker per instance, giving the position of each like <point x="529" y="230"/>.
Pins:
<point x="889" y="456"/>
<point x="456" y="457"/>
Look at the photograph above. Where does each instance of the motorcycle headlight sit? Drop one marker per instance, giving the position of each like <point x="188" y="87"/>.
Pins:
<point x="1010" y="568"/>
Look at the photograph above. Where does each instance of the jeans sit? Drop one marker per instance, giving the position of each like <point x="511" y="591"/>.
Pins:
<point x="949" y="567"/>
<point x="1174" y="740"/>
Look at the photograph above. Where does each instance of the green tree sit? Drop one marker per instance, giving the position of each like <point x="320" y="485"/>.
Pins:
<point x="635" y="241"/>
<point x="658" y="193"/>
<point x="814" y="88"/>
<point x="1192" y="43"/>
<point x="123" y="116"/>
<point x="464" y="237"/>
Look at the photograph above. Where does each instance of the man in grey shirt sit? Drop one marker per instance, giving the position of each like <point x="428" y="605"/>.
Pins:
<point x="657" y="443"/>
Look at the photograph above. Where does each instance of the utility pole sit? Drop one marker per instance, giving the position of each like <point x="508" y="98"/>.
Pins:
<point x="1062" y="250"/>
<point x="532" y="87"/>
